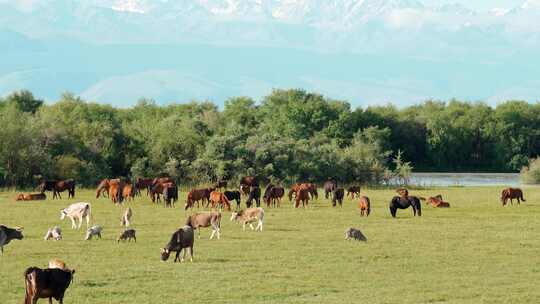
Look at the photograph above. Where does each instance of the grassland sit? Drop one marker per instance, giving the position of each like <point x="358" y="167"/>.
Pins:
<point x="474" y="252"/>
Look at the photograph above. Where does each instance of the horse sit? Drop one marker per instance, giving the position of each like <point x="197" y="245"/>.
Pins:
<point x="302" y="195"/>
<point x="312" y="189"/>
<point x="157" y="189"/>
<point x="337" y="197"/>
<point x="233" y="195"/>
<point x="352" y="191"/>
<point x="144" y="183"/>
<point x="218" y="198"/>
<point x="58" y="186"/>
<point x="404" y="202"/>
<point x="329" y="186"/>
<point x="364" y="205"/>
<point x="103" y="187"/>
<point x="196" y="195"/>
<point x="116" y="190"/>
<point x="437" y="202"/>
<point x="254" y="194"/>
<point x="273" y="195"/>
<point x="511" y="193"/>
<point x="128" y="192"/>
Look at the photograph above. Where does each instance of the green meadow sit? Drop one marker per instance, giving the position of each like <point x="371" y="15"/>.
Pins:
<point x="474" y="252"/>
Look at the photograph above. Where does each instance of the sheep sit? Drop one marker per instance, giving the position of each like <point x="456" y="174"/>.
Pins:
<point x="94" y="230"/>
<point x="356" y="234"/>
<point x="128" y="234"/>
<point x="53" y="233"/>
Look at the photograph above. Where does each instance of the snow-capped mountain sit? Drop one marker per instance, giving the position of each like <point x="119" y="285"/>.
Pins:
<point x="395" y="31"/>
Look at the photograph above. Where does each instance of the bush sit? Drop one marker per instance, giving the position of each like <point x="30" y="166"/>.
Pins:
<point x="531" y="174"/>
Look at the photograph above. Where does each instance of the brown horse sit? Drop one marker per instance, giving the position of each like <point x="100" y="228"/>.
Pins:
<point x="218" y="198"/>
<point x="312" y="189"/>
<point x="364" y="205"/>
<point x="103" y="187"/>
<point x="30" y="196"/>
<point x="273" y="194"/>
<point x="59" y="186"/>
<point x="116" y="190"/>
<point x="197" y="195"/>
<point x="437" y="202"/>
<point x="353" y="191"/>
<point x="128" y="192"/>
<point x="511" y="193"/>
<point x="144" y="183"/>
<point x="157" y="190"/>
<point x="302" y="195"/>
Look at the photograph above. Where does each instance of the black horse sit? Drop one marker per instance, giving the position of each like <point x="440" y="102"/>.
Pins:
<point x="254" y="194"/>
<point x="337" y="197"/>
<point x="233" y="195"/>
<point x="329" y="187"/>
<point x="399" y="202"/>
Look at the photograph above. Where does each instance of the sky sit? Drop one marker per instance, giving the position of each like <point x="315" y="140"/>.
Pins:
<point x="482" y="5"/>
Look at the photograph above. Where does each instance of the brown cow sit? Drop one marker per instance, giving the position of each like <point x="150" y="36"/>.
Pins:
<point x="511" y="193"/>
<point x="218" y="198"/>
<point x="353" y="191"/>
<point x="206" y="219"/>
<point x="30" y="197"/>
<point x="364" y="205"/>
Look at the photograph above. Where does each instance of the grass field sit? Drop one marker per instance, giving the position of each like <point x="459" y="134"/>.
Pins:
<point x="474" y="252"/>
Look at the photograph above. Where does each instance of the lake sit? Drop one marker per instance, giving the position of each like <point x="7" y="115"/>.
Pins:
<point x="465" y="179"/>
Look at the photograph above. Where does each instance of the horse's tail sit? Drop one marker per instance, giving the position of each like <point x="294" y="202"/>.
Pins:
<point x="521" y="195"/>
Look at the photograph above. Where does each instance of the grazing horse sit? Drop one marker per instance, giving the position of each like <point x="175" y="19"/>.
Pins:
<point x="437" y="202"/>
<point x="116" y="188"/>
<point x="128" y="192"/>
<point x="103" y="187"/>
<point x="364" y="205"/>
<point x="312" y="188"/>
<point x="233" y="195"/>
<point x="195" y="196"/>
<point x="337" y="197"/>
<point x="157" y="189"/>
<point x="254" y="194"/>
<point x="144" y="183"/>
<point x="58" y="186"/>
<point x="302" y="195"/>
<point x="273" y="195"/>
<point x="329" y="187"/>
<point x="218" y="198"/>
<point x="511" y="193"/>
<point x="352" y="191"/>
<point x="404" y="202"/>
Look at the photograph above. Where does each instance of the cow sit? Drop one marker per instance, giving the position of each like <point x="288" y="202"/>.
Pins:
<point x="511" y="193"/>
<point x="77" y="211"/>
<point x="218" y="198"/>
<point x="364" y="205"/>
<point x="329" y="186"/>
<point x="127" y="235"/>
<point x="126" y="218"/>
<point x="197" y="195"/>
<point x="94" y="230"/>
<point x="170" y="194"/>
<point x="254" y="195"/>
<point x="182" y="239"/>
<point x="46" y="283"/>
<point x="337" y="197"/>
<point x="53" y="233"/>
<point x="31" y="197"/>
<point x="205" y="219"/>
<point x="248" y="216"/>
<point x="233" y="195"/>
<point x="273" y="194"/>
<point x="353" y="191"/>
<point x="8" y="234"/>
<point x="58" y="186"/>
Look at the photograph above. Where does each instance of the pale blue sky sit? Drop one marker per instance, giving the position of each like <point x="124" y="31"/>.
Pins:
<point x="480" y="4"/>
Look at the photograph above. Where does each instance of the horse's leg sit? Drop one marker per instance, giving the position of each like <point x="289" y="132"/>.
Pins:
<point x="393" y="211"/>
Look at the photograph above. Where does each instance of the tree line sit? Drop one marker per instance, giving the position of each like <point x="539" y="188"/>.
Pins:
<point x="290" y="135"/>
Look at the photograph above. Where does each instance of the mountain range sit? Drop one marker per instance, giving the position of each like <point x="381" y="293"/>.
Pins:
<point x="363" y="51"/>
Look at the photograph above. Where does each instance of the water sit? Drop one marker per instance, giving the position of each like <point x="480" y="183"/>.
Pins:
<point x="465" y="179"/>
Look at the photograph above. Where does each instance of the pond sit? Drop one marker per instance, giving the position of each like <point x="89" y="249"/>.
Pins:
<point x="465" y="179"/>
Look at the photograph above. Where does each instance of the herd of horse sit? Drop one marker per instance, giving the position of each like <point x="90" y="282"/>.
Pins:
<point x="120" y="190"/>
